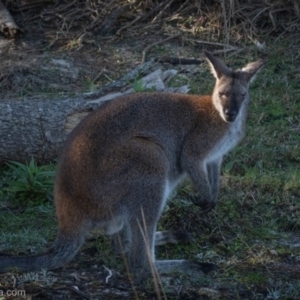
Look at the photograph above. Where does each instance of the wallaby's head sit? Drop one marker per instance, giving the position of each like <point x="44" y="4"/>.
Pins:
<point x="231" y="89"/>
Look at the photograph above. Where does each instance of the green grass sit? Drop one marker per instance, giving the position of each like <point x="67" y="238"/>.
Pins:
<point x="258" y="212"/>
<point x="29" y="182"/>
<point x="250" y="234"/>
<point x="28" y="229"/>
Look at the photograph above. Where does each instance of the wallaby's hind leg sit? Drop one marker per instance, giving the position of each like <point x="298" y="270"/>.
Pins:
<point x="141" y="171"/>
<point x="143" y="227"/>
<point x="144" y="236"/>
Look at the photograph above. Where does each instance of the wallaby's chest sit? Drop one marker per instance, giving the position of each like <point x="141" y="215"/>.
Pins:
<point x="228" y="141"/>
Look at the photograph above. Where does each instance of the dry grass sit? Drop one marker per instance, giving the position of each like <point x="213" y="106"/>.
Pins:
<point x="135" y="18"/>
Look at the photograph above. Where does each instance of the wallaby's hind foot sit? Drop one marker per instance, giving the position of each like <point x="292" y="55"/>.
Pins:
<point x="183" y="266"/>
<point x="167" y="267"/>
<point x="121" y="241"/>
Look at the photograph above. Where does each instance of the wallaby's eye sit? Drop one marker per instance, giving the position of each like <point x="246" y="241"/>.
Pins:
<point x="244" y="95"/>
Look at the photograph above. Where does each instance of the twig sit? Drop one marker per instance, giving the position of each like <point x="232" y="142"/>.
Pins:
<point x="227" y="47"/>
<point x="76" y="290"/>
<point x="73" y="289"/>
<point x="156" y="278"/>
<point x="112" y="18"/>
<point x="215" y="44"/>
<point x="98" y="75"/>
<point x="237" y="50"/>
<point x="109" y="274"/>
<point x="15" y="282"/>
<point x="129" y="24"/>
<point x="226" y="30"/>
<point x="162" y="12"/>
<point x="157" y="43"/>
<point x="141" y="16"/>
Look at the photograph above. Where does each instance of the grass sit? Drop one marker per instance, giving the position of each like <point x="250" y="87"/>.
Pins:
<point x="253" y="233"/>
<point x="259" y="203"/>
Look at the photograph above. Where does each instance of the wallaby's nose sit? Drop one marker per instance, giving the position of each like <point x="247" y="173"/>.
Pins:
<point x="230" y="114"/>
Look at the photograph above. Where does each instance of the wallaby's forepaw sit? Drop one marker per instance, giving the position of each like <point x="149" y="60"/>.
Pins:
<point x="205" y="205"/>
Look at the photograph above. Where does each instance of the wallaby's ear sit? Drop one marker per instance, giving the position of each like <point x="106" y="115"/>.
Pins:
<point x="218" y="68"/>
<point x="251" y="69"/>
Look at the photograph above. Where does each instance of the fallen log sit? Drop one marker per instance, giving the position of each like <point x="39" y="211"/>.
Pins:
<point x="38" y="127"/>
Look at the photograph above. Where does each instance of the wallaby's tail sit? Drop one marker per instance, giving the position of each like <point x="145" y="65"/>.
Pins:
<point x="62" y="251"/>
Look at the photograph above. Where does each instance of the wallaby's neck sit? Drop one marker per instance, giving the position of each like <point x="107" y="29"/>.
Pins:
<point x="243" y="114"/>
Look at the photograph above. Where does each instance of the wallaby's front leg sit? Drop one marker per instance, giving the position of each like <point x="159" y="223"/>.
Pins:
<point x="205" y="180"/>
<point x="213" y="169"/>
<point x="210" y="176"/>
<point x="204" y="194"/>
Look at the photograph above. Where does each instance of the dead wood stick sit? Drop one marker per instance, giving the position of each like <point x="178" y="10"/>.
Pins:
<point x="178" y="60"/>
<point x="129" y="24"/>
<point x="65" y="287"/>
<point x="111" y="19"/>
<point x="162" y="11"/>
<point x="236" y="50"/>
<point x="226" y="29"/>
<point x="227" y="47"/>
<point x="7" y="24"/>
<point x="157" y="43"/>
<point x="21" y="5"/>
<point x="215" y="44"/>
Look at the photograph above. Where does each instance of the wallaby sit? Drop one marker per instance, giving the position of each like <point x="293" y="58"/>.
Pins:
<point x="120" y="164"/>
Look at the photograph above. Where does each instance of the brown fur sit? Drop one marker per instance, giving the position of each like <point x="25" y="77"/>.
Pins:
<point x="121" y="162"/>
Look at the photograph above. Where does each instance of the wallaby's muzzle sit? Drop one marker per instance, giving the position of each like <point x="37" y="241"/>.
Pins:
<point x="230" y="115"/>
